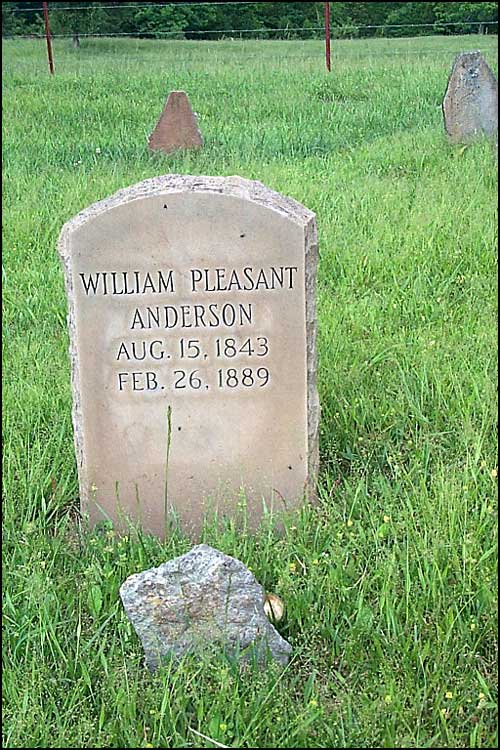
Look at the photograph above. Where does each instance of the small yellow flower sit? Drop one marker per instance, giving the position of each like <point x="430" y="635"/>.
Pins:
<point x="449" y="695"/>
<point x="443" y="712"/>
<point x="388" y="699"/>
<point x="473" y="626"/>
<point x="315" y="561"/>
<point x="350" y="522"/>
<point x="387" y="519"/>
<point x="481" y="696"/>
<point x="222" y="727"/>
<point x="494" y="473"/>
<point x="313" y="703"/>
<point x="292" y="567"/>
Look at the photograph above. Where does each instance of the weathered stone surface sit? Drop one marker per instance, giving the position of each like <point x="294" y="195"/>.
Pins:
<point x="192" y="317"/>
<point x="177" y="127"/>
<point x="201" y="601"/>
<point x="470" y="105"/>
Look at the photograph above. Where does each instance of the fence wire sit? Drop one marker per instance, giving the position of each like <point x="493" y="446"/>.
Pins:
<point x="260" y="30"/>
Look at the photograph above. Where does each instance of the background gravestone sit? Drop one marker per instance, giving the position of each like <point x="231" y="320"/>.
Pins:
<point x="177" y="127"/>
<point x="470" y="105"/>
<point x="192" y="316"/>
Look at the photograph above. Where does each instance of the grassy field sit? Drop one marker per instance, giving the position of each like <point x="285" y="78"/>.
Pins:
<point x="390" y="583"/>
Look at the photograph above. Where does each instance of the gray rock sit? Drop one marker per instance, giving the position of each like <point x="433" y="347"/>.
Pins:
<point x="200" y="601"/>
<point x="470" y="105"/>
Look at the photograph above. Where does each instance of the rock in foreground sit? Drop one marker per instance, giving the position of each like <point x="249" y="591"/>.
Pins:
<point x="201" y="600"/>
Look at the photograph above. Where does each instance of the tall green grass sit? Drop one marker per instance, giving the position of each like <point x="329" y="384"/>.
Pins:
<point x="390" y="583"/>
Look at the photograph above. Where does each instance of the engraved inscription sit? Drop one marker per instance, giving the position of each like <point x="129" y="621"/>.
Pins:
<point x="170" y="352"/>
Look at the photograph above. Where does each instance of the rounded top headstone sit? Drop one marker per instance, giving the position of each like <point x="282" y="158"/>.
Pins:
<point x="192" y="316"/>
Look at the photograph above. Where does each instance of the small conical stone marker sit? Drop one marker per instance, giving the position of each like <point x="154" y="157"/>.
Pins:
<point x="177" y="127"/>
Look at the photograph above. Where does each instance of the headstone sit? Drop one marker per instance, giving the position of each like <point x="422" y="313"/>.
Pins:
<point x="177" y="127"/>
<point x="192" y="318"/>
<point x="203" y="601"/>
<point x="470" y="105"/>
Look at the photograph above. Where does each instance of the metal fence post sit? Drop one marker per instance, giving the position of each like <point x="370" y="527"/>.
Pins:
<point x="47" y="34"/>
<point x="327" y="37"/>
